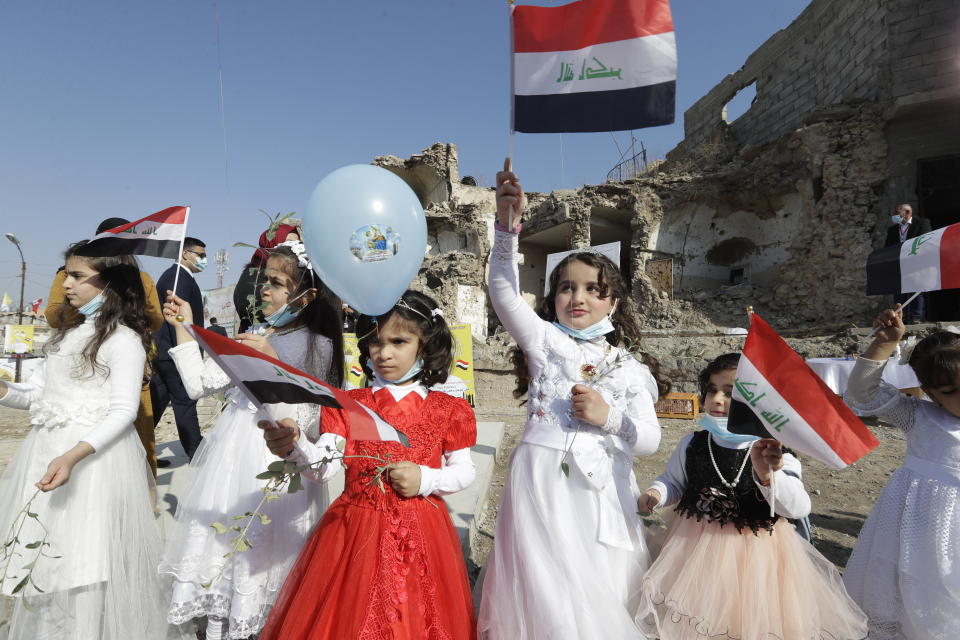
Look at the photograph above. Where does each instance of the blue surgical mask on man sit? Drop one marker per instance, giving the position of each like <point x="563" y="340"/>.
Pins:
<point x="92" y="306"/>
<point x="200" y="264"/>
<point x="594" y="331"/>
<point x="896" y="218"/>
<point x="718" y="427"/>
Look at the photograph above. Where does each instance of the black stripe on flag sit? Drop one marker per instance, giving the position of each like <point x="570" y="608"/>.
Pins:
<point x="883" y="271"/>
<point x="270" y="392"/>
<point x="131" y="246"/>
<point x="615" y="110"/>
<point x="742" y="420"/>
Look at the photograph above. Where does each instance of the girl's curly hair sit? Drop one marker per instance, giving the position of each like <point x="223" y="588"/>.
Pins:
<point x="124" y="303"/>
<point x="626" y="331"/>
<point x="416" y="310"/>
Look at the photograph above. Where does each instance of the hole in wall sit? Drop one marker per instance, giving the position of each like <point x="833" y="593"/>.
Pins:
<point x="740" y="103"/>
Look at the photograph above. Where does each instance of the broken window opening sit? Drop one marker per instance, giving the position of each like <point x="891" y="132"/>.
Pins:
<point x="740" y="103"/>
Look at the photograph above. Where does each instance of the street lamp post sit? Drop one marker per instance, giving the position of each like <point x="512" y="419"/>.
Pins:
<point x="23" y="279"/>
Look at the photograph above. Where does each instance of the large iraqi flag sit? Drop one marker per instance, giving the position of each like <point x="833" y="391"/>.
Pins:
<point x="266" y="380"/>
<point x="159" y="235"/>
<point x="776" y="395"/>
<point x="929" y="262"/>
<point x="593" y="65"/>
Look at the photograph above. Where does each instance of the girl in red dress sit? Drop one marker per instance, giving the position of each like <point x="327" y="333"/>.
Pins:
<point x="385" y="562"/>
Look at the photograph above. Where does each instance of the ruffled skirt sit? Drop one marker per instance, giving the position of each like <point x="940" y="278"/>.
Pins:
<point x="224" y="484"/>
<point x="548" y="576"/>
<point x="101" y="524"/>
<point x="715" y="582"/>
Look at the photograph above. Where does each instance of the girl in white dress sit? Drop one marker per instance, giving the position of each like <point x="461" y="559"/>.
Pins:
<point x="905" y="568"/>
<point x="84" y="455"/>
<point x="303" y="329"/>
<point x="569" y="551"/>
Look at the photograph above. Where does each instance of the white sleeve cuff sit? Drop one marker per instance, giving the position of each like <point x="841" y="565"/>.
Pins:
<point x="428" y="480"/>
<point x="660" y="488"/>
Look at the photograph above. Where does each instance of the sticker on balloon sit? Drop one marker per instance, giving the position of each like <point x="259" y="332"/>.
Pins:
<point x="374" y="243"/>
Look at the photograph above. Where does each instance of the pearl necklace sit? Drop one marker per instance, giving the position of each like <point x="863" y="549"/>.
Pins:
<point x="728" y="485"/>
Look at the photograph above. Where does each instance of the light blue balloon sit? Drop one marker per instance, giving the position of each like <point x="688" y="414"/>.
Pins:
<point x="366" y="236"/>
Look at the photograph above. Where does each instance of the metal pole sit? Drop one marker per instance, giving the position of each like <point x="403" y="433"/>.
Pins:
<point x="23" y="279"/>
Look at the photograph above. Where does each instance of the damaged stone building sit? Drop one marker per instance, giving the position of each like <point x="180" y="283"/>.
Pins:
<point x="856" y="109"/>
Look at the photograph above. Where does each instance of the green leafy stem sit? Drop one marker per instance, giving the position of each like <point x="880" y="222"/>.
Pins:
<point x="32" y="551"/>
<point x="284" y="476"/>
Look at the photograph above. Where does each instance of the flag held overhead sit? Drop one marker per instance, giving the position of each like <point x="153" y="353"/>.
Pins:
<point x="266" y="380"/>
<point x="929" y="262"/>
<point x="593" y="65"/>
<point x="159" y="235"/>
<point x="776" y="395"/>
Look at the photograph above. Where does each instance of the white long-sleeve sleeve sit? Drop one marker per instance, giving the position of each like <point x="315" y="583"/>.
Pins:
<point x="517" y="317"/>
<point x="123" y="354"/>
<point x="20" y="395"/>
<point x="457" y="472"/>
<point x="637" y="424"/>
<point x="328" y="445"/>
<point x="200" y="377"/>
<point x="792" y="499"/>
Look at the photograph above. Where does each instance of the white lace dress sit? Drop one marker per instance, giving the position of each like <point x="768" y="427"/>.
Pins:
<point x="905" y="568"/>
<point x="101" y="522"/>
<point x="224" y="484"/>
<point x="569" y="554"/>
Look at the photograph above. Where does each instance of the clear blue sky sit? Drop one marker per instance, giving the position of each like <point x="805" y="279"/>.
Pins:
<point x="112" y="108"/>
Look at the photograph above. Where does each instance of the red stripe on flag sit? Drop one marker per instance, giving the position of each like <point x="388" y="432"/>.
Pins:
<point x="950" y="257"/>
<point x="170" y="215"/>
<point x="363" y="425"/>
<point x="587" y="22"/>
<point x="809" y="396"/>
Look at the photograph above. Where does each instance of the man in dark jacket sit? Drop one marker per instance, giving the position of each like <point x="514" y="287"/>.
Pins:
<point x="216" y="328"/>
<point x="166" y="387"/>
<point x="906" y="227"/>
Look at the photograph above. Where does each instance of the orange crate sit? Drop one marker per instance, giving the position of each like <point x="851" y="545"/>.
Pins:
<point x="679" y="405"/>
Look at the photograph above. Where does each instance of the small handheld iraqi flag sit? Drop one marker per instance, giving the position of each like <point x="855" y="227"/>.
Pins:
<point x="266" y="380"/>
<point x="776" y="395"/>
<point x="593" y="65"/>
<point x="929" y="262"/>
<point x="159" y="235"/>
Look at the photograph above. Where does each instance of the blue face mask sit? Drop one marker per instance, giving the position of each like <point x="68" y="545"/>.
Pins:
<point x="92" y="306"/>
<point x="896" y="219"/>
<point x="200" y="264"/>
<point x="718" y="427"/>
<point x="284" y="315"/>
<point x="592" y="332"/>
<point x="409" y="375"/>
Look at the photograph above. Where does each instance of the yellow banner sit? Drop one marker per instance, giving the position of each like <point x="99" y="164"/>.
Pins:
<point x="18" y="339"/>
<point x="460" y="383"/>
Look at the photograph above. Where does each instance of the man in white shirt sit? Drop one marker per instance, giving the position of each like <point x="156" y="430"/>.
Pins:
<point x="906" y="227"/>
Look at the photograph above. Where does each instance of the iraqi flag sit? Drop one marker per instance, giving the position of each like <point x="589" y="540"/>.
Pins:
<point x="929" y="262"/>
<point x="776" y="395"/>
<point x="593" y="65"/>
<point x="159" y="235"/>
<point x="266" y="380"/>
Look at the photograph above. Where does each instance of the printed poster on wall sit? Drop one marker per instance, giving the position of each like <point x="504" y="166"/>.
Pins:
<point x="18" y="340"/>
<point x="218" y="303"/>
<point x="460" y="382"/>
<point x="353" y="375"/>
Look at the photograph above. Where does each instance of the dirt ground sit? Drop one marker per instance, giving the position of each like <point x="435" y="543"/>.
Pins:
<point x="841" y="499"/>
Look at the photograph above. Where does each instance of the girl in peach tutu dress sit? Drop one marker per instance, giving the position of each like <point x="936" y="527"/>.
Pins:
<point x="728" y="569"/>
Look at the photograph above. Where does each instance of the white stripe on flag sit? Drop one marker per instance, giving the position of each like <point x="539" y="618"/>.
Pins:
<point x="249" y="369"/>
<point x="626" y="64"/>
<point x="779" y="417"/>
<point x="386" y="431"/>
<point x="149" y="231"/>
<point x="920" y="263"/>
